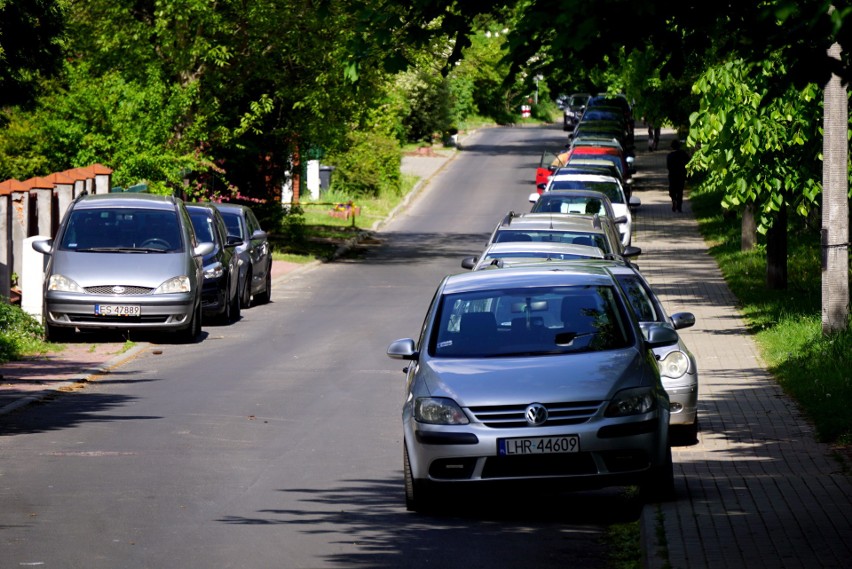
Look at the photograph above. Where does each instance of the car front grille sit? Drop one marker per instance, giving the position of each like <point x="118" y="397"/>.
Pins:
<point x="514" y="416"/>
<point x="125" y="290"/>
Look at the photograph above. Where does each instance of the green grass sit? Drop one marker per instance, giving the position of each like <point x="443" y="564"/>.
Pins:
<point x="815" y="370"/>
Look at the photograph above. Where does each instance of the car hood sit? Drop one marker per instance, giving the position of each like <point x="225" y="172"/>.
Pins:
<point x="590" y="376"/>
<point x="136" y="269"/>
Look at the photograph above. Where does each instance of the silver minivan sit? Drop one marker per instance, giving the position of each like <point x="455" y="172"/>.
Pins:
<point x="123" y="261"/>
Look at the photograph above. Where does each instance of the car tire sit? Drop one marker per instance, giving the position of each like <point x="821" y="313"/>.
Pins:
<point x="266" y="295"/>
<point x="224" y="317"/>
<point x="659" y="485"/>
<point x="58" y="333"/>
<point x="245" y="293"/>
<point x="417" y="493"/>
<point x="190" y="334"/>
<point x="236" y="306"/>
<point x="686" y="434"/>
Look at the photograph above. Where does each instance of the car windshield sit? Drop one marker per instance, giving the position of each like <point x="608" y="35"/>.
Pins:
<point x="587" y="238"/>
<point x="609" y="189"/>
<point x="126" y="230"/>
<point x="529" y="321"/>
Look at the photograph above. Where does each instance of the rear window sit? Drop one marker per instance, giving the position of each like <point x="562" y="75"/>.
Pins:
<point x="576" y="237"/>
<point x="530" y="321"/>
<point x="122" y="229"/>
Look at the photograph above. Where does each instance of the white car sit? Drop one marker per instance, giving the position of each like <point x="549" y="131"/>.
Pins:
<point x="607" y="185"/>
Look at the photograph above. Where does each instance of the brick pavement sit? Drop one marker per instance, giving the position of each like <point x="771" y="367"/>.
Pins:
<point x="757" y="490"/>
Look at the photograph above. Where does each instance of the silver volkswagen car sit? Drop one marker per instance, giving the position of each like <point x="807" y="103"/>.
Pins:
<point x="534" y="375"/>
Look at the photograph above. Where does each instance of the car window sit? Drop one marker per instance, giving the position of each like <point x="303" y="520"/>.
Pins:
<point x="576" y="237"/>
<point x="569" y="204"/>
<point x="234" y="224"/>
<point x="125" y="229"/>
<point x="609" y="189"/>
<point x="203" y="225"/>
<point x="529" y="321"/>
<point x="638" y="298"/>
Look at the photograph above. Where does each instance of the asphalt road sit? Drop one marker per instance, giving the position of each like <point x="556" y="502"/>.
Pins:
<point x="276" y="441"/>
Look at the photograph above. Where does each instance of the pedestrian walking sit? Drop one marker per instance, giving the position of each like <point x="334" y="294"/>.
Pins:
<point x="676" y="163"/>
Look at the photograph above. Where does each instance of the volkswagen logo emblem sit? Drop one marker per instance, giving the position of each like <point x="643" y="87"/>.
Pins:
<point x="536" y="414"/>
<point x="118" y="289"/>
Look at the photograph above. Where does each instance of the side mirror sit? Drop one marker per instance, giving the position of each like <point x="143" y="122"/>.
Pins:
<point x="203" y="249"/>
<point x="259" y="234"/>
<point x="631" y="251"/>
<point x="659" y="335"/>
<point x="44" y="246"/>
<point x="682" y="320"/>
<point x="634" y="202"/>
<point x="620" y="219"/>
<point x="469" y="262"/>
<point x="404" y="350"/>
<point x="542" y="186"/>
<point x="534" y="196"/>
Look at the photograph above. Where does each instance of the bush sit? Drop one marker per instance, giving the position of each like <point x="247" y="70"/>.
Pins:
<point x="368" y="167"/>
<point x="20" y="333"/>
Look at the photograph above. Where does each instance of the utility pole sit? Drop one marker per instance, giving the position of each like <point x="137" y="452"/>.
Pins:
<point x="835" y="206"/>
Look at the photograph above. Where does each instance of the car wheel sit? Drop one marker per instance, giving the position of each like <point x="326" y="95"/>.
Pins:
<point x="224" y="317"/>
<point x="266" y="295"/>
<point x="236" y="306"/>
<point x="686" y="434"/>
<point x="658" y="485"/>
<point x="57" y="333"/>
<point x="417" y="493"/>
<point x="189" y="334"/>
<point x="245" y="294"/>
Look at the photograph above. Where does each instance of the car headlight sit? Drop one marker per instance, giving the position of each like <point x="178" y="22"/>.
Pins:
<point x="636" y="401"/>
<point x="175" y="284"/>
<point x="439" y="411"/>
<point x="63" y="284"/>
<point x="214" y="271"/>
<point x="674" y="365"/>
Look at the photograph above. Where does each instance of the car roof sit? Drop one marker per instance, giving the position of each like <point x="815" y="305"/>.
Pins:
<point x="229" y="206"/>
<point x="577" y="273"/>
<point x="554" y="221"/>
<point x="133" y="199"/>
<point x="584" y="178"/>
<point x="540" y="247"/>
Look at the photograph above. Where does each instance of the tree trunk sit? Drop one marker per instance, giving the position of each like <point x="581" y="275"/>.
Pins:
<point x="776" y="252"/>
<point x="748" y="232"/>
<point x="835" y="206"/>
<point x="297" y="175"/>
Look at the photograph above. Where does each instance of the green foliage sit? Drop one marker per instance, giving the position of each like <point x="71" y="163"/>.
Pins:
<point x="20" y="333"/>
<point x="30" y="46"/>
<point x="369" y="166"/>
<point x="760" y="149"/>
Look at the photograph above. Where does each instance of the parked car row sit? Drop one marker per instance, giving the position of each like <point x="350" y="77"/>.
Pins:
<point x="140" y="261"/>
<point x="551" y="363"/>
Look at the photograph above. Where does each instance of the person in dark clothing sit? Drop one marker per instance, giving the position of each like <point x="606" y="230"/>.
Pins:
<point x="676" y="164"/>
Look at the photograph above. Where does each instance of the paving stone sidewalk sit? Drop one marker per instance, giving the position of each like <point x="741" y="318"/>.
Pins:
<point x="757" y="490"/>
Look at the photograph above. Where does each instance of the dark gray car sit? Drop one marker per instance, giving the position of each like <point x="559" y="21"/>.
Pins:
<point x="255" y="253"/>
<point x="123" y="261"/>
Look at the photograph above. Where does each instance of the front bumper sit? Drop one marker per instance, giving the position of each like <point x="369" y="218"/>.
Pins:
<point x="161" y="311"/>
